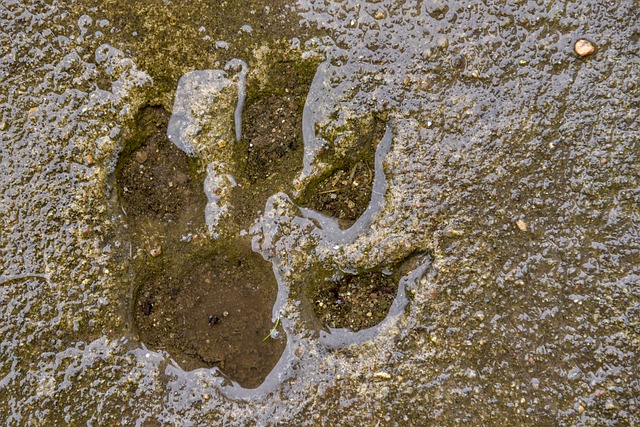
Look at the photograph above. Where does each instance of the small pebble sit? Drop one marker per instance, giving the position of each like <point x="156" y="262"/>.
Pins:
<point x="155" y="252"/>
<point x="382" y="374"/>
<point x="521" y="225"/>
<point x="610" y="405"/>
<point x="141" y="156"/>
<point x="451" y="232"/>
<point x="584" y="47"/>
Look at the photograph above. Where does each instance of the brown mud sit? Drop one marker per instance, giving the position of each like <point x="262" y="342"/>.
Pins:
<point x="345" y="191"/>
<point x="269" y="154"/>
<point x="208" y="304"/>
<point x="160" y="189"/>
<point x="213" y="310"/>
<point x="354" y="301"/>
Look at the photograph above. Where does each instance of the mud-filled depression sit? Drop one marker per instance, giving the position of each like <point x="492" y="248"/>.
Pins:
<point x="208" y="302"/>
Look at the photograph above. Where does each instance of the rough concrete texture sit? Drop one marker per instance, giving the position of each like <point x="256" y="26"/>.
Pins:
<point x="511" y="179"/>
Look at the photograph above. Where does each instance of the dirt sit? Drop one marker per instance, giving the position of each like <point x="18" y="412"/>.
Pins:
<point x="156" y="179"/>
<point x="207" y="303"/>
<point x="497" y="123"/>
<point x="354" y="301"/>
<point x="213" y="310"/>
<point x="269" y="155"/>
<point x="344" y="193"/>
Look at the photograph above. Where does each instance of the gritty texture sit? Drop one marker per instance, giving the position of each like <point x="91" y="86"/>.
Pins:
<point x="496" y="122"/>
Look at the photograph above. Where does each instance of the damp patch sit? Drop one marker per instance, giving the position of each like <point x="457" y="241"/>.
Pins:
<point x="205" y="302"/>
<point x="213" y="311"/>
<point x="359" y="300"/>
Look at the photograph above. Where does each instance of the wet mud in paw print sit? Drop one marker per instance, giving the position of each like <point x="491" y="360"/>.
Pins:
<point x="269" y="155"/>
<point x="208" y="304"/>
<point x="157" y="183"/>
<point x="345" y="191"/>
<point x="273" y="133"/>
<point x="213" y="311"/>
<point x="345" y="194"/>
<point x="353" y="301"/>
